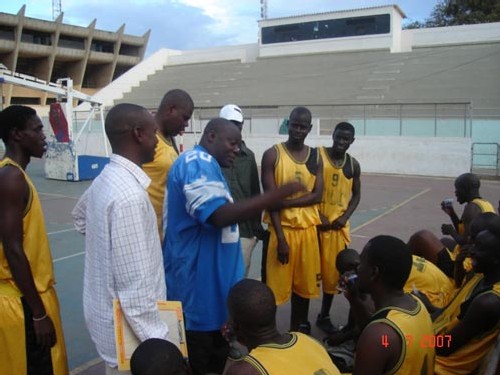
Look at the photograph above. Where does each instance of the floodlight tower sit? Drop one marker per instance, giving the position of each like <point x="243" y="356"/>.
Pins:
<point x="263" y="9"/>
<point x="56" y="9"/>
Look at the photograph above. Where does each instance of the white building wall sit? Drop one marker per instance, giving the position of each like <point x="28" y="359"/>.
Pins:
<point x="440" y="157"/>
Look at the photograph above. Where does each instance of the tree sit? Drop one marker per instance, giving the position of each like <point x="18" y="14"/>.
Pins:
<point x="464" y="12"/>
<point x="460" y="12"/>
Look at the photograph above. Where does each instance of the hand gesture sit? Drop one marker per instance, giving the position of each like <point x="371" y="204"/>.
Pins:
<point x="339" y="223"/>
<point x="447" y="229"/>
<point x="283" y="251"/>
<point x="325" y="224"/>
<point x="45" y="333"/>
<point x="447" y="207"/>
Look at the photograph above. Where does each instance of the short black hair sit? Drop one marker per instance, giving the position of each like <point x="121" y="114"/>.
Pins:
<point x="345" y="126"/>
<point x="300" y="112"/>
<point x="121" y="119"/>
<point x="252" y="305"/>
<point x="157" y="357"/>
<point x="392" y="257"/>
<point x="177" y="97"/>
<point x="470" y="181"/>
<point x="345" y="258"/>
<point x="14" y="117"/>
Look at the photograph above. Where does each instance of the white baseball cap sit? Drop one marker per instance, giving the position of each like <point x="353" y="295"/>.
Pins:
<point x="231" y="112"/>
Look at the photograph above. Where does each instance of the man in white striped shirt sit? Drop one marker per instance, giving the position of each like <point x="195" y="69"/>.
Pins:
<point x="123" y="258"/>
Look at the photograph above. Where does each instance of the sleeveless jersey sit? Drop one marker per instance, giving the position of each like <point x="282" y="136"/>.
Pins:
<point x="484" y="206"/>
<point x="157" y="170"/>
<point x="430" y="280"/>
<point x="288" y="169"/>
<point x="466" y="359"/>
<point x="301" y="355"/>
<point x="35" y="241"/>
<point x="13" y="355"/>
<point x="337" y="187"/>
<point x="413" y="327"/>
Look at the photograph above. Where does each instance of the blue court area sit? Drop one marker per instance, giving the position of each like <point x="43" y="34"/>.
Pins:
<point x="397" y="205"/>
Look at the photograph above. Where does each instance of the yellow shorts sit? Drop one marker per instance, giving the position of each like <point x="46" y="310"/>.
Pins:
<point x="12" y="332"/>
<point x="330" y="244"/>
<point x="302" y="273"/>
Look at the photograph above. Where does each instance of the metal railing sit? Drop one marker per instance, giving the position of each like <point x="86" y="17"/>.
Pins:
<point x="486" y="158"/>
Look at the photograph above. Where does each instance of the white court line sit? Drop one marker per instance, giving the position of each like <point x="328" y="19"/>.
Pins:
<point x="68" y="257"/>
<point x="391" y="210"/>
<point x="61" y="231"/>
<point x="57" y="195"/>
<point x="359" y="236"/>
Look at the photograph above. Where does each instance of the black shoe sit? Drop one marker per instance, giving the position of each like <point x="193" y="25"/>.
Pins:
<point x="325" y="324"/>
<point x="305" y="328"/>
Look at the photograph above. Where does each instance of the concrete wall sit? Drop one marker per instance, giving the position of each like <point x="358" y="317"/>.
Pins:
<point x="441" y="157"/>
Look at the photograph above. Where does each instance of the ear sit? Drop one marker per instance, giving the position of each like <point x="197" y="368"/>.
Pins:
<point x="211" y="136"/>
<point x="16" y="134"/>
<point x="374" y="273"/>
<point x="137" y="134"/>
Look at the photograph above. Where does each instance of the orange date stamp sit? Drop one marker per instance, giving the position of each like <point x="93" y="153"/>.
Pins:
<point x="426" y="341"/>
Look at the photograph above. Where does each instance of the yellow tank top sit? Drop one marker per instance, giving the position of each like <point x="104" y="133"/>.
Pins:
<point x="35" y="242"/>
<point x="430" y="280"/>
<point x="468" y="358"/>
<point x="415" y="328"/>
<point x="484" y="206"/>
<point x="337" y="190"/>
<point x="287" y="169"/>
<point x="157" y="170"/>
<point x="302" y="355"/>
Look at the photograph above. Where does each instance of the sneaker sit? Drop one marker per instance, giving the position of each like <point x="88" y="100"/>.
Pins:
<point x="305" y="328"/>
<point x="325" y="324"/>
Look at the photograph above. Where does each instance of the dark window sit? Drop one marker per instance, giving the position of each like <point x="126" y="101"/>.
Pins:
<point x="6" y="33"/>
<point x="24" y="100"/>
<point x="101" y="46"/>
<point x="36" y="37"/>
<point x="128" y="50"/>
<point x="336" y="28"/>
<point x="67" y="41"/>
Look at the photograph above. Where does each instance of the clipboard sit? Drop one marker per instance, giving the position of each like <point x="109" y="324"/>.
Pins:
<point x="127" y="342"/>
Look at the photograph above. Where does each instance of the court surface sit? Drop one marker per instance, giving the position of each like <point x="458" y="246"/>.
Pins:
<point x="396" y="205"/>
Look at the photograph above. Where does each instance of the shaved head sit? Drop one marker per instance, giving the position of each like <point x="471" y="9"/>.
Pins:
<point x="252" y="305"/>
<point x="178" y="98"/>
<point x="121" y="119"/>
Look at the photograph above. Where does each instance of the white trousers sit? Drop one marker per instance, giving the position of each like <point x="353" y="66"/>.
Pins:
<point x="247" y="246"/>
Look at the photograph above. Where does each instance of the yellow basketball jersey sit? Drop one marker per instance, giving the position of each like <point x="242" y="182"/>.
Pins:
<point x="337" y="188"/>
<point x="301" y="355"/>
<point x="466" y="359"/>
<point x="157" y="170"/>
<point x="288" y="169"/>
<point x="430" y="280"/>
<point x="415" y="328"/>
<point x="484" y="205"/>
<point x="35" y="241"/>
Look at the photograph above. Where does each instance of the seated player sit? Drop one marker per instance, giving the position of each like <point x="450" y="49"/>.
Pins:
<point x="252" y="314"/>
<point x="158" y="357"/>
<point x="428" y="279"/>
<point x="444" y="252"/>
<point x="390" y="340"/>
<point x="472" y="319"/>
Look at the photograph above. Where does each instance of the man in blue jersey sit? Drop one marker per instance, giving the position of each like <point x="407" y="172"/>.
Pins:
<point x="202" y="251"/>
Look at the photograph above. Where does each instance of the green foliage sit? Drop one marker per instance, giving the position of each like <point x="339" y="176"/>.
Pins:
<point x="460" y="12"/>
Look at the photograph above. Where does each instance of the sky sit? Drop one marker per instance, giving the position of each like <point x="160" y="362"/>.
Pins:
<point x="193" y="24"/>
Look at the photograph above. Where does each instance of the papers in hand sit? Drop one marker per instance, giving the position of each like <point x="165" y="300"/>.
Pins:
<point x="126" y="341"/>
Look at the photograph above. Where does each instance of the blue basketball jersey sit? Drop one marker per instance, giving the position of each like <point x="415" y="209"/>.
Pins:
<point x="202" y="262"/>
